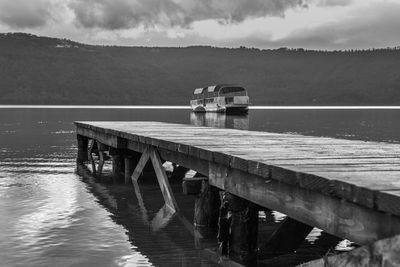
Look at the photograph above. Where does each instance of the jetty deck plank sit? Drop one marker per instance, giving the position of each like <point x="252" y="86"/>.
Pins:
<point x="363" y="173"/>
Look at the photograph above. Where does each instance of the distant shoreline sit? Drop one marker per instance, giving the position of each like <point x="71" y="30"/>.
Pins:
<point x="188" y="107"/>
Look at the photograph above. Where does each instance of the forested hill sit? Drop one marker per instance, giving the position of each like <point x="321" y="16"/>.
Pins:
<point x="40" y="70"/>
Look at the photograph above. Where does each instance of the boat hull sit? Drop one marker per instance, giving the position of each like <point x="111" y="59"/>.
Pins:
<point x="237" y="109"/>
<point x="231" y="109"/>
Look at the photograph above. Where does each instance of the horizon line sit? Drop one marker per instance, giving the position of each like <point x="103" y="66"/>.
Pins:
<point x="188" y="107"/>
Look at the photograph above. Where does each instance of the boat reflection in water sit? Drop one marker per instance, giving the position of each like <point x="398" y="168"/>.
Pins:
<point x="220" y="120"/>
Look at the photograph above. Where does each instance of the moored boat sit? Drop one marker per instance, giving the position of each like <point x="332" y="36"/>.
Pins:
<point x="224" y="98"/>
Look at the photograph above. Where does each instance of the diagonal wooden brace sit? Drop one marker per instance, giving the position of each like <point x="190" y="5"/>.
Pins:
<point x="163" y="180"/>
<point x="152" y="153"/>
<point x="140" y="166"/>
<point x="92" y="144"/>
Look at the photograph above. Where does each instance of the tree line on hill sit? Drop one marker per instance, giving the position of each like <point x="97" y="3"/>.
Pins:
<point x="41" y="70"/>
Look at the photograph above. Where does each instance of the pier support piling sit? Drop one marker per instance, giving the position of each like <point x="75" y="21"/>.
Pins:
<point x="224" y="222"/>
<point x="118" y="168"/>
<point x="193" y="186"/>
<point x="82" y="156"/>
<point x="206" y="207"/>
<point x="102" y="157"/>
<point x="238" y="228"/>
<point x="130" y="165"/>
<point x="243" y="228"/>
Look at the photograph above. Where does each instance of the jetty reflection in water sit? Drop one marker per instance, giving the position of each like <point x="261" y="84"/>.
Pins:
<point x="163" y="236"/>
<point x="220" y="120"/>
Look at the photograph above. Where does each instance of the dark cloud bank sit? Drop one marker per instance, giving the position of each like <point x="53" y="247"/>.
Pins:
<point x="376" y="25"/>
<point x="124" y="14"/>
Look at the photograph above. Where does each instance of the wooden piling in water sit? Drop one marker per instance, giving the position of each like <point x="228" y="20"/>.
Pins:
<point x="118" y="168"/>
<point x="82" y="149"/>
<point x="243" y="228"/>
<point x="102" y="148"/>
<point x="206" y="207"/>
<point x="130" y="162"/>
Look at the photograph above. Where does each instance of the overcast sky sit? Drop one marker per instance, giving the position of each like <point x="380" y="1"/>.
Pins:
<point x="313" y="24"/>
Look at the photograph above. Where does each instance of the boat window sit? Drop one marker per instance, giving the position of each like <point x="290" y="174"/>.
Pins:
<point x="233" y="91"/>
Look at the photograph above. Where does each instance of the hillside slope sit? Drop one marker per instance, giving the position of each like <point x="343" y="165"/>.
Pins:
<point x="41" y="70"/>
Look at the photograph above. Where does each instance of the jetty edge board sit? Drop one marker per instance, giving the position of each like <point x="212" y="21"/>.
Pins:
<point x="348" y="188"/>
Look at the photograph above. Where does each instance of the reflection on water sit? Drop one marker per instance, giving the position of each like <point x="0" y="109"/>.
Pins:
<point x="220" y="120"/>
<point x="50" y="216"/>
<point x="155" y="231"/>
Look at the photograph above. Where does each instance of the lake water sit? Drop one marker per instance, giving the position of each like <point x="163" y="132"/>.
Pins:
<point x="50" y="216"/>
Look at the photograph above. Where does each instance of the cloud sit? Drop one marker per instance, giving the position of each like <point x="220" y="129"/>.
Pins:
<point x="124" y="14"/>
<point x="332" y="3"/>
<point x="25" y="13"/>
<point x="312" y="24"/>
<point x="376" y="27"/>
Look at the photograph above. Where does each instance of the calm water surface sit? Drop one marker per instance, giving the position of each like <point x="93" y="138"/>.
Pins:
<point x="50" y="216"/>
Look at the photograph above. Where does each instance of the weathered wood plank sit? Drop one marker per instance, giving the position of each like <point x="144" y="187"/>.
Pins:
<point x="389" y="201"/>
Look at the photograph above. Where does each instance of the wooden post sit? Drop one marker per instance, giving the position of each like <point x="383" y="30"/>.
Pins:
<point x="101" y="162"/>
<point x="130" y="165"/>
<point x="102" y="157"/>
<point x="193" y="186"/>
<point x="91" y="149"/>
<point x="206" y="207"/>
<point x="82" y="156"/>
<point x="224" y="223"/>
<point x="243" y="228"/>
<point x="118" y="169"/>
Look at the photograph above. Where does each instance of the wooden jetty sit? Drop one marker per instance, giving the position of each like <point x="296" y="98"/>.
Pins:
<point x="348" y="188"/>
